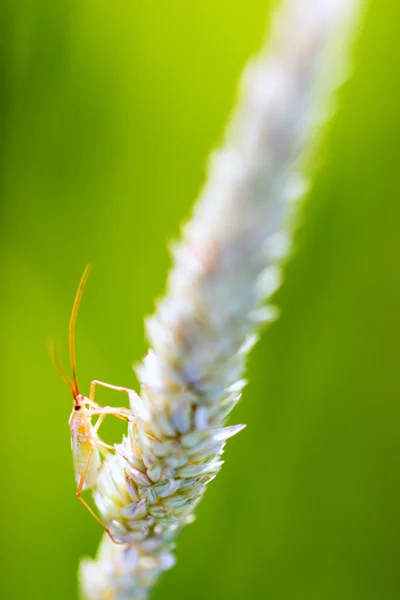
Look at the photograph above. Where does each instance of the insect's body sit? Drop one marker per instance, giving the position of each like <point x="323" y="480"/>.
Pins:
<point x="86" y="445"/>
<point x="85" y="449"/>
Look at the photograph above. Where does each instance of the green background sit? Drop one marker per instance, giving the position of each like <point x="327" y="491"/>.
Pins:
<point x="108" y="111"/>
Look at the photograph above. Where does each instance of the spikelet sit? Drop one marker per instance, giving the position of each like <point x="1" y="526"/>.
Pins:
<point x="225" y="268"/>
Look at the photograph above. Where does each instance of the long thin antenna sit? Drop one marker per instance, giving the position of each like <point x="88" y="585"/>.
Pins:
<point x="72" y="322"/>
<point x="54" y="357"/>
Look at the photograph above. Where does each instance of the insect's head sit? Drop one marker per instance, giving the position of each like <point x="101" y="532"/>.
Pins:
<point x="79" y="402"/>
<point x="78" y="399"/>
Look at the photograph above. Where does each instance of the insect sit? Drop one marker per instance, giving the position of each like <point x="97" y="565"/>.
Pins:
<point x="87" y="447"/>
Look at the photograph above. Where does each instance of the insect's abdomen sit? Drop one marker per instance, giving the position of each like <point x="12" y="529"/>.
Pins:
<point x="81" y="452"/>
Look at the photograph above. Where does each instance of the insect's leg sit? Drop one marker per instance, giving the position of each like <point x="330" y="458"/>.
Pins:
<point x="100" y="522"/>
<point x="96" y="440"/>
<point x="117" y="388"/>
<point x="100" y="442"/>
<point x="119" y="413"/>
<point x="99" y="421"/>
<point x="79" y="496"/>
<point x="102" y="412"/>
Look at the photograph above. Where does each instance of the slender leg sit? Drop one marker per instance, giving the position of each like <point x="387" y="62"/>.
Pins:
<point x="102" y="412"/>
<point x="99" y="422"/>
<point x="121" y="413"/>
<point x="117" y="388"/>
<point x="79" y="496"/>
<point x="100" y="442"/>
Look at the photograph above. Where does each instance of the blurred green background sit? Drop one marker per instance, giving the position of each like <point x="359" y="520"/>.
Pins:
<point x="108" y="111"/>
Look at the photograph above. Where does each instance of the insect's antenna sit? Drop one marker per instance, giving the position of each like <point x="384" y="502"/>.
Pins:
<point x="54" y="357"/>
<point x="72" y="322"/>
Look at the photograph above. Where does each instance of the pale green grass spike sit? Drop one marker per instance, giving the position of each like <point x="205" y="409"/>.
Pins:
<point x="208" y="320"/>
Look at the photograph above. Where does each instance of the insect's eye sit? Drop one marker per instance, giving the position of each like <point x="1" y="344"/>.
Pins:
<point x="77" y="407"/>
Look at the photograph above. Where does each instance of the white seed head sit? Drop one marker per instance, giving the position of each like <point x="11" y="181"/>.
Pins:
<point x="225" y="269"/>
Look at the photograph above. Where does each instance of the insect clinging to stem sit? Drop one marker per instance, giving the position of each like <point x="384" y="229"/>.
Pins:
<point x="86" y="445"/>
